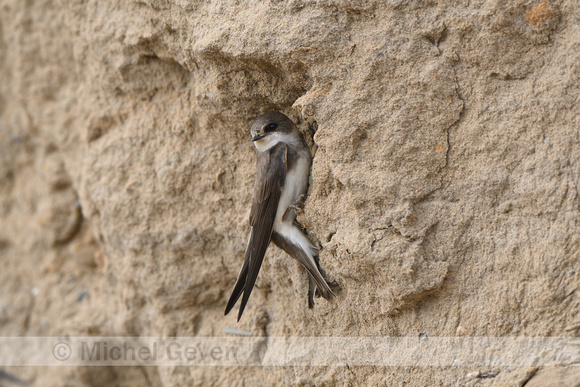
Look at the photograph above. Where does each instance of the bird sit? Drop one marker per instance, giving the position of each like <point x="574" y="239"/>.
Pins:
<point x="282" y="169"/>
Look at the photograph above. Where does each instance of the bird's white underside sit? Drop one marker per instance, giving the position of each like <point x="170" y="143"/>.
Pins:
<point x="294" y="186"/>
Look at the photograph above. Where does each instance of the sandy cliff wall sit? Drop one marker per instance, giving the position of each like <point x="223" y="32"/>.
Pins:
<point x="444" y="191"/>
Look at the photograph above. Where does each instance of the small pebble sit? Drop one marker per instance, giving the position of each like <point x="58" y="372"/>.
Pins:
<point x="473" y="375"/>
<point x="237" y="332"/>
<point x="34" y="292"/>
<point x="82" y="295"/>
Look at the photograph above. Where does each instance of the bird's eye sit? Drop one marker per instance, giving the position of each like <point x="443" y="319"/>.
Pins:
<point x="271" y="127"/>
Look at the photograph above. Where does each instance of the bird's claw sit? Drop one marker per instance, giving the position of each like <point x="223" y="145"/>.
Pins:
<point x="297" y="206"/>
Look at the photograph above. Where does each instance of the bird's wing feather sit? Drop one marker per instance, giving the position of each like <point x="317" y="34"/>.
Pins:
<point x="270" y="175"/>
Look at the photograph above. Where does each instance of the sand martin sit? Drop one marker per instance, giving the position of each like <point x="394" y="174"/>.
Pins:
<point x="282" y="169"/>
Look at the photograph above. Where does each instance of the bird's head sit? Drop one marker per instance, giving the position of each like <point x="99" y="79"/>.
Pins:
<point x="272" y="128"/>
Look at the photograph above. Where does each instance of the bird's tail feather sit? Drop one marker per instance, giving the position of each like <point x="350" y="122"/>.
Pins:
<point x="238" y="289"/>
<point x="303" y="255"/>
<point x="311" y="291"/>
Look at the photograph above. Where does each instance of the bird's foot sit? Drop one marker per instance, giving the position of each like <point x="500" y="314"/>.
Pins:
<point x="297" y="206"/>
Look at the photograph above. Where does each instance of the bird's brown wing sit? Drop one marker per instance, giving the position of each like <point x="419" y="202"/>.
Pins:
<point x="270" y="175"/>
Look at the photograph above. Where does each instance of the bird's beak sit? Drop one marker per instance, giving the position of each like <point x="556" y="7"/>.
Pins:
<point x="257" y="137"/>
